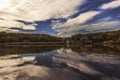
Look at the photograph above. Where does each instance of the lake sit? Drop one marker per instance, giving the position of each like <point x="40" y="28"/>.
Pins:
<point x="88" y="62"/>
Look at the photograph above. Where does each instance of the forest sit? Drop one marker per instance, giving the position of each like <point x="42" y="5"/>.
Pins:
<point x="25" y="38"/>
<point x="110" y="37"/>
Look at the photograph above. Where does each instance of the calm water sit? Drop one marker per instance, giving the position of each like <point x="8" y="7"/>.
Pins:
<point x="60" y="63"/>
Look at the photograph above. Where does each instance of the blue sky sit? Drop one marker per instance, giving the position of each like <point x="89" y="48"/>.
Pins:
<point x="59" y="17"/>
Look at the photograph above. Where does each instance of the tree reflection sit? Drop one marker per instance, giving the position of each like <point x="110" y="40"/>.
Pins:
<point x="12" y="50"/>
<point x="99" y="49"/>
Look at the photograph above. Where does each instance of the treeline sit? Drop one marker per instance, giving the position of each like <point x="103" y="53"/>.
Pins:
<point x="22" y="37"/>
<point x="111" y="37"/>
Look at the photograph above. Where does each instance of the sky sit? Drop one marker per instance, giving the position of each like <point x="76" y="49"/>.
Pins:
<point x="59" y="17"/>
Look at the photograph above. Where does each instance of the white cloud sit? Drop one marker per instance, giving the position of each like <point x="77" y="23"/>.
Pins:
<point x="4" y="29"/>
<point x="29" y="27"/>
<point x="10" y="24"/>
<point x="113" y="4"/>
<point x="6" y="25"/>
<point x="82" y="18"/>
<point x="103" y="26"/>
<point x="35" y="10"/>
<point x="73" y="25"/>
<point x="96" y="27"/>
<point x="4" y="4"/>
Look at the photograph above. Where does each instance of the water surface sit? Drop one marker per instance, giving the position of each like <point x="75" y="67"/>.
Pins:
<point x="60" y="63"/>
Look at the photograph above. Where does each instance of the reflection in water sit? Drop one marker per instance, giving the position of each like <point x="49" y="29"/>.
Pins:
<point x="44" y="59"/>
<point x="12" y="50"/>
<point x="99" y="49"/>
<point x="55" y="63"/>
<point x="91" y="66"/>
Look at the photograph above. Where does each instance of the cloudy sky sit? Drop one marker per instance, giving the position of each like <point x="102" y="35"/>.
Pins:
<point x="59" y="17"/>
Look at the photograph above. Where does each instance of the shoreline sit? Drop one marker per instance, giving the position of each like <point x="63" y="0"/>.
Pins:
<point x="33" y="44"/>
